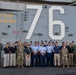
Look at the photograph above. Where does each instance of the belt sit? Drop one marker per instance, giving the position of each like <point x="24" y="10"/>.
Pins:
<point x="49" y="53"/>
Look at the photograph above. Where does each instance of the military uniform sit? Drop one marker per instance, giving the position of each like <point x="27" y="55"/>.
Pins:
<point x="65" y="57"/>
<point x="49" y="55"/>
<point x="42" y="51"/>
<point x="20" y="56"/>
<point x="34" y="57"/>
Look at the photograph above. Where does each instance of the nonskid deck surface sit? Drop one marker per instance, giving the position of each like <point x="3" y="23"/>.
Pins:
<point x="38" y="71"/>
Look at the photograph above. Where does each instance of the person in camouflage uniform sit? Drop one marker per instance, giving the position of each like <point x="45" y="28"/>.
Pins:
<point x="64" y="53"/>
<point x="20" y="56"/>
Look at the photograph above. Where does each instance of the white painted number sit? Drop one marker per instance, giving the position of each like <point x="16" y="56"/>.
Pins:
<point x="51" y="21"/>
<point x="56" y="22"/>
<point x="33" y="25"/>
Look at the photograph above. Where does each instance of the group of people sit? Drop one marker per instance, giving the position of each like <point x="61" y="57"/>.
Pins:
<point x="39" y="54"/>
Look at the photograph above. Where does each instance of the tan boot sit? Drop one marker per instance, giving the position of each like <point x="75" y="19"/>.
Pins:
<point x="18" y="66"/>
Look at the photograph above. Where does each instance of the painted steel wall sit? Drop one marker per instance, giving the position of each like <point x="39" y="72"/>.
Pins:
<point x="18" y="30"/>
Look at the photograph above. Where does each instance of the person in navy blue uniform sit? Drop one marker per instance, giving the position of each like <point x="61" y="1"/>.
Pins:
<point x="56" y="55"/>
<point x="42" y="51"/>
<point x="49" y="54"/>
<point x="35" y="55"/>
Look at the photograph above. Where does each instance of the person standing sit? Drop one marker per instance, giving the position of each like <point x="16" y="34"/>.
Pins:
<point x="34" y="59"/>
<point x="20" y="56"/>
<point x="1" y="47"/>
<point x="42" y="51"/>
<point x="56" y="55"/>
<point x="74" y="52"/>
<point x="28" y="55"/>
<point x="49" y="54"/>
<point x="65" y="54"/>
<point x="13" y="56"/>
<point x="6" y="56"/>
<point x="71" y="55"/>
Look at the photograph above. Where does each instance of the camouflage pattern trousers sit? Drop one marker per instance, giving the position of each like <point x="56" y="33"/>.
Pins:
<point x="20" y="59"/>
<point x="65" y="61"/>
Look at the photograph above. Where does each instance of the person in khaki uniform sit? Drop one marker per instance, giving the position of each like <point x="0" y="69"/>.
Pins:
<point x="28" y="55"/>
<point x="64" y="53"/>
<point x="20" y="56"/>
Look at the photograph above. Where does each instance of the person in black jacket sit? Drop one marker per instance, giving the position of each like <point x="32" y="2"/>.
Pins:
<point x="28" y="55"/>
<point x="13" y="55"/>
<point x="71" y="55"/>
<point x="6" y="56"/>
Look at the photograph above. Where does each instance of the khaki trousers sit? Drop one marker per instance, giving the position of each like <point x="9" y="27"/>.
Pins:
<point x="6" y="60"/>
<point x="70" y="58"/>
<point x="12" y="59"/>
<point x="57" y="59"/>
<point x="28" y="59"/>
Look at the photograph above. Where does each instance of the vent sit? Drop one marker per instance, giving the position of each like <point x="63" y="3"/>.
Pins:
<point x="25" y="15"/>
<point x="56" y="33"/>
<point x="39" y="34"/>
<point x="4" y="33"/>
<point x="25" y="31"/>
<point x="70" y="34"/>
<point x="9" y="26"/>
<point x="67" y="27"/>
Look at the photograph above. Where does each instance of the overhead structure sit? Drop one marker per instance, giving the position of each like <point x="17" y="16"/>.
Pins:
<point x="57" y="2"/>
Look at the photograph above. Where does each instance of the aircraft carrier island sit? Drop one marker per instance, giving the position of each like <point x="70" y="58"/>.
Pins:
<point x="31" y="22"/>
<point x="36" y="20"/>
